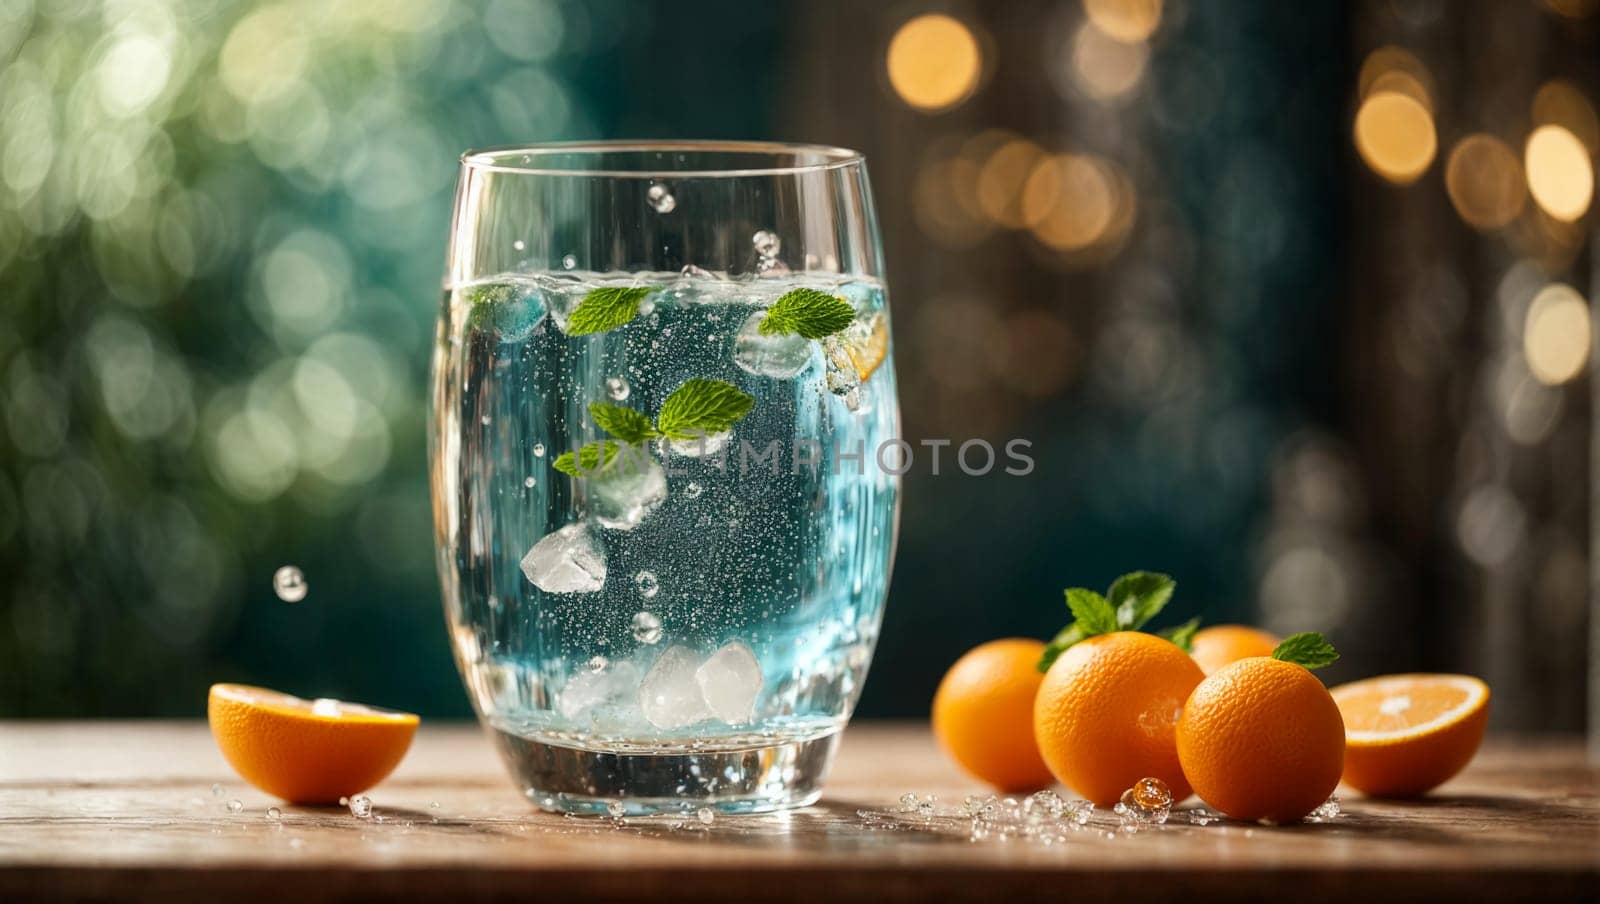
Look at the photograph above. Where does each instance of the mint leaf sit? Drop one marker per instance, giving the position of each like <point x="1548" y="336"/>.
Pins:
<point x="1138" y="597"/>
<point x="623" y="423"/>
<point x="1308" y="648"/>
<point x="811" y="313"/>
<point x="590" y="459"/>
<point x="1064" y="638"/>
<point x="701" y="407"/>
<point x="1092" y="611"/>
<point x="606" y="308"/>
<point x="1182" y="635"/>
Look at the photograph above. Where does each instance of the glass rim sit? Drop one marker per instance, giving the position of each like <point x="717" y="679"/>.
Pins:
<point x="493" y="159"/>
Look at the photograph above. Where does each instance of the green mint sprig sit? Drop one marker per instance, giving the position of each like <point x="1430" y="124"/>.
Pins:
<point x="1128" y="605"/>
<point x="696" y="409"/>
<point x="606" y="308"/>
<point x="810" y="313"/>
<point x="1308" y="649"/>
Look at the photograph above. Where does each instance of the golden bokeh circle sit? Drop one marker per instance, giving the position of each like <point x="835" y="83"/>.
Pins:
<point x="1484" y="180"/>
<point x="1128" y="21"/>
<point x="1394" y="135"/>
<point x="1560" y="174"/>
<point x="934" y="62"/>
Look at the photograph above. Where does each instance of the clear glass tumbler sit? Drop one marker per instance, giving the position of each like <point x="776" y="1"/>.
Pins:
<point x="662" y="466"/>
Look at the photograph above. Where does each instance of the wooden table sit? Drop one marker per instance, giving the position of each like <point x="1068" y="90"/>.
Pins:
<point x="127" y="811"/>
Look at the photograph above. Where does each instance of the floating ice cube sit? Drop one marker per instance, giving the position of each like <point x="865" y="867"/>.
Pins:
<point x="510" y="310"/>
<point x="700" y="446"/>
<point x="843" y="378"/>
<point x="780" y="357"/>
<point x="570" y="560"/>
<point x="669" y="695"/>
<point x="730" y="681"/>
<point x="628" y="492"/>
<point x="588" y="689"/>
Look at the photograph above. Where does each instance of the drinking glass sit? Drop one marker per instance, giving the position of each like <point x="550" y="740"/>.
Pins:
<point x="662" y="456"/>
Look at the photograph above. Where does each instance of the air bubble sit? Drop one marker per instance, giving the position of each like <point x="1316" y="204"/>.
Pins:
<point x="538" y="450"/>
<point x="767" y="244"/>
<point x="519" y="245"/>
<point x="568" y="262"/>
<point x="617" y="388"/>
<point x="646" y="627"/>
<point x="529" y="482"/>
<point x="597" y="663"/>
<point x="649" y="585"/>
<point x="693" y="490"/>
<point x="290" y="584"/>
<point x="661" y="199"/>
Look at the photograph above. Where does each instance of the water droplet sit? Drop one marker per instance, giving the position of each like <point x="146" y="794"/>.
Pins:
<point x="706" y="815"/>
<point x="570" y="261"/>
<point x="617" y="388"/>
<point x="646" y="627"/>
<point x="274" y="813"/>
<point x="217" y="791"/>
<point x="1148" y="802"/>
<point x="433" y="805"/>
<point x="289" y="584"/>
<point x="361" y="806"/>
<point x="529" y="482"/>
<point x="486" y="420"/>
<point x="597" y="663"/>
<point x="693" y="490"/>
<point x="1328" y="809"/>
<point x="661" y="198"/>
<point x="235" y="805"/>
<point x="615" y="809"/>
<point x="767" y="244"/>
<point x="538" y="450"/>
<point x="519" y="244"/>
<point x="649" y="585"/>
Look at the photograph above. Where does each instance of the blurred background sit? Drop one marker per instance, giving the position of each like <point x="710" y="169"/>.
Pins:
<point x="1292" y="299"/>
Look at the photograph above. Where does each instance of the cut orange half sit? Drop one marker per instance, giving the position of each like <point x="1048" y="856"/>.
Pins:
<point x="1408" y="734"/>
<point x="306" y="751"/>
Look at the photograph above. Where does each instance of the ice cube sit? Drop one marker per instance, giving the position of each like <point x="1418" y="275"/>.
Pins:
<point x="570" y="560"/>
<point x="669" y="695"/>
<point x="700" y="445"/>
<point x="628" y="492"/>
<point x="512" y="311"/>
<point x="588" y="689"/>
<point x="780" y="357"/>
<point x="730" y="681"/>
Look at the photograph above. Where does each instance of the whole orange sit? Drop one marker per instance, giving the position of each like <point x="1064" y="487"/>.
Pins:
<point x="1262" y="739"/>
<point x="983" y="714"/>
<point x="1105" y="714"/>
<point x="1219" y="645"/>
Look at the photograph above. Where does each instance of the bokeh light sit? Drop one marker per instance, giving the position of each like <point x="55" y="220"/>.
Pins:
<point x="1128" y="21"/>
<point x="1559" y="102"/>
<point x="1560" y="174"/>
<point x="1557" y="334"/>
<point x="1484" y="180"/>
<point x="1103" y="67"/>
<point x="1394" y="134"/>
<point x="1001" y="181"/>
<point x="934" y="62"/>
<point x="1397" y="70"/>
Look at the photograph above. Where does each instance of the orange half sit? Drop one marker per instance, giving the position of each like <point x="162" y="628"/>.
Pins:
<point x="306" y="751"/>
<point x="1408" y="734"/>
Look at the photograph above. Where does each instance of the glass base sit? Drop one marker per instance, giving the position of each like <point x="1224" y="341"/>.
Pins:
<point x="757" y="779"/>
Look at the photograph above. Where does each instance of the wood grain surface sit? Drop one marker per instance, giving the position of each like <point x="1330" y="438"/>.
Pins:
<point x="126" y="811"/>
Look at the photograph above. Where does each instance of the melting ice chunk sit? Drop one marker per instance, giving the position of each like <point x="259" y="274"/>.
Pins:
<point x="630" y="491"/>
<point x="570" y="560"/>
<point x="588" y="689"/>
<point x="730" y="681"/>
<point x="669" y="695"/>
<point x="769" y="356"/>
<point x="700" y="445"/>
